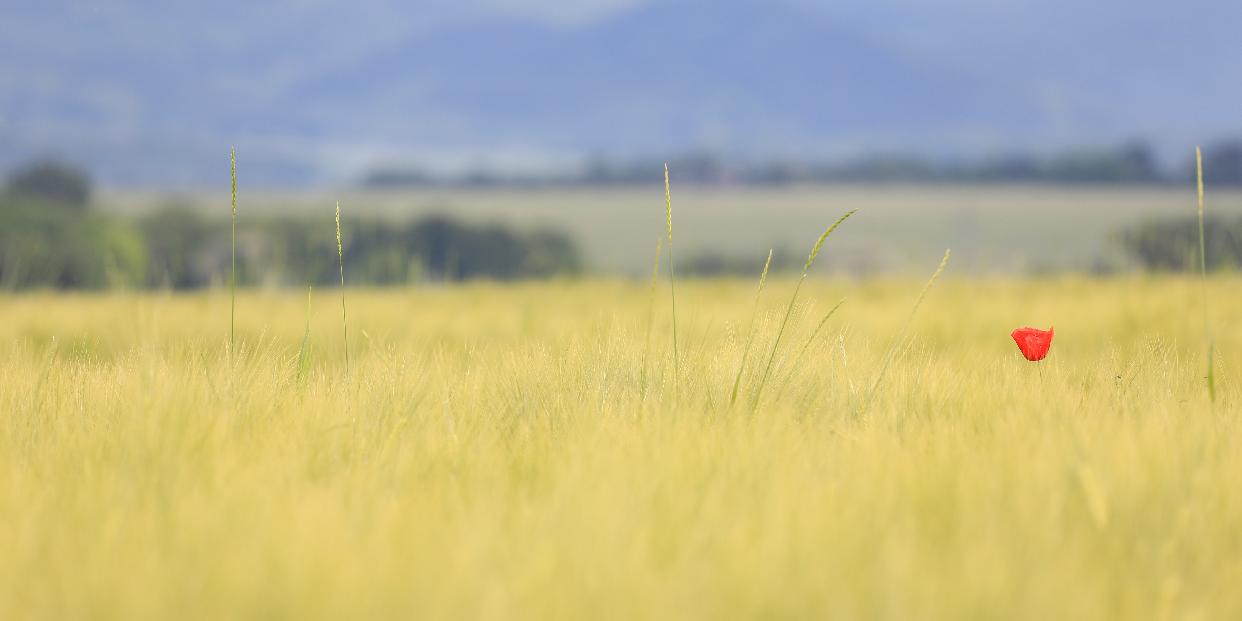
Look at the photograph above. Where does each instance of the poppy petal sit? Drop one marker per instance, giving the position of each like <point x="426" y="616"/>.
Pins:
<point x="1033" y="342"/>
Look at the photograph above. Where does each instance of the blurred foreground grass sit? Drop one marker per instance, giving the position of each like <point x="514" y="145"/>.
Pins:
<point x="492" y="453"/>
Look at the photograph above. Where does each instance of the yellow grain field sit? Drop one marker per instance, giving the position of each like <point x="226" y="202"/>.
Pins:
<point x="503" y="452"/>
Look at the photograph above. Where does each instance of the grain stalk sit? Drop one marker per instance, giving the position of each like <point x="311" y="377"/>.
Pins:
<point x="672" y="280"/>
<point x="901" y="335"/>
<point x="304" y="352"/>
<point x="1207" y="329"/>
<point x="807" y="345"/>
<point x="818" y="327"/>
<point x="810" y="259"/>
<point x="655" y="275"/>
<point x="750" y="330"/>
<point x="340" y="255"/>
<point x="233" y="254"/>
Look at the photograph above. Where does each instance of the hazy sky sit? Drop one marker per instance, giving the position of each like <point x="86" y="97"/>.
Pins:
<point x="113" y="81"/>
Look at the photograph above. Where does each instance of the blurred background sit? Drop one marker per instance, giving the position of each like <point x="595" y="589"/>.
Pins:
<point x="509" y="139"/>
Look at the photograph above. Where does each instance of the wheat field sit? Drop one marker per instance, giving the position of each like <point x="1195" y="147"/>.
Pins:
<point x="528" y="452"/>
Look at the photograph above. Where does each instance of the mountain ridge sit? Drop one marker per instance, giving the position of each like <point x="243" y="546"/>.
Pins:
<point x="774" y="79"/>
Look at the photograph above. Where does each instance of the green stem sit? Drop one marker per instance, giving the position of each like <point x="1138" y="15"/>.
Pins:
<point x="1207" y="330"/>
<point x="901" y="336"/>
<point x="233" y="253"/>
<point x="340" y="255"/>
<point x="806" y="268"/>
<point x="672" y="279"/>
<point x="655" y="274"/>
<point x="750" y="331"/>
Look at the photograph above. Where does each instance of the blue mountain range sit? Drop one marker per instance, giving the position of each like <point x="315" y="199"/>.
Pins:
<point x="156" y="93"/>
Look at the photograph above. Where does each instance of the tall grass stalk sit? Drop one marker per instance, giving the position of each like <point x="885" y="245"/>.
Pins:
<point x="304" y="351"/>
<point x="818" y="327"/>
<point x="340" y="256"/>
<point x="233" y="253"/>
<point x="1207" y="329"/>
<point x="750" y="330"/>
<point x="901" y="335"/>
<point x="672" y="279"/>
<point x="655" y="275"/>
<point x="810" y="259"/>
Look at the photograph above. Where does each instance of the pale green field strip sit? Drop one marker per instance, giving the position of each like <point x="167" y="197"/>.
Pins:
<point x="992" y="229"/>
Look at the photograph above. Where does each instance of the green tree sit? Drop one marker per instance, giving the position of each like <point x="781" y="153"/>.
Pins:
<point x="53" y="182"/>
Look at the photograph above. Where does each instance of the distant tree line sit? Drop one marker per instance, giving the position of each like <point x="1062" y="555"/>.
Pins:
<point x="708" y="263"/>
<point x="1172" y="244"/>
<point x="1130" y="163"/>
<point x="49" y="237"/>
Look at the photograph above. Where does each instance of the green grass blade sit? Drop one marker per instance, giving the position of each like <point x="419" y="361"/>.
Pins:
<point x="750" y="331"/>
<point x="901" y="335"/>
<point x="304" y="351"/>
<point x="797" y="360"/>
<point x="806" y="268"/>
<point x="1207" y="329"/>
<point x="820" y="326"/>
<point x="233" y="253"/>
<point x="655" y="275"/>
<point x="340" y="255"/>
<point x="672" y="279"/>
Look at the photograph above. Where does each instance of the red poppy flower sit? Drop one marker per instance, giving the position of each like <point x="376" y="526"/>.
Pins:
<point x="1033" y="342"/>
